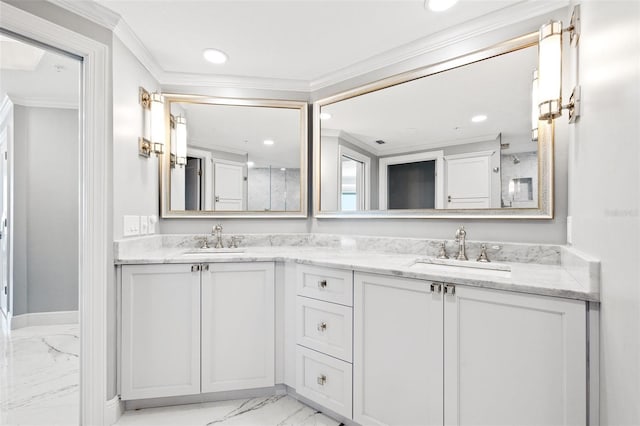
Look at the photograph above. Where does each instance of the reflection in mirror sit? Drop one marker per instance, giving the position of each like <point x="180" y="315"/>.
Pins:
<point x="458" y="139"/>
<point x="237" y="158"/>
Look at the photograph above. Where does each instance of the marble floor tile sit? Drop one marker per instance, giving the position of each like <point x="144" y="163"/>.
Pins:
<point x="278" y="410"/>
<point x="39" y="376"/>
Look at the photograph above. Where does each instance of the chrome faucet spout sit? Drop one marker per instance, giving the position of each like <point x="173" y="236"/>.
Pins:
<point x="217" y="234"/>
<point x="461" y="236"/>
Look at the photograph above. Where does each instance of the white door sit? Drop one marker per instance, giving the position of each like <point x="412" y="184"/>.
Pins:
<point x="238" y="326"/>
<point x="4" y="253"/>
<point x="397" y="353"/>
<point x="514" y="359"/>
<point x="160" y="331"/>
<point x="468" y="184"/>
<point x="229" y="186"/>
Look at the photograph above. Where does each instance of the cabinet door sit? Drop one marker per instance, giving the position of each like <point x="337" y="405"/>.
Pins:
<point x="160" y="331"/>
<point x="397" y="354"/>
<point x="514" y="359"/>
<point x="238" y="335"/>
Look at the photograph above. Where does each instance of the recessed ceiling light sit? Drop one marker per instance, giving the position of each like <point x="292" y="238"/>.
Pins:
<point x="478" y="118"/>
<point x="250" y="164"/>
<point x="325" y="116"/>
<point x="268" y="142"/>
<point x="440" y="5"/>
<point x="215" y="56"/>
<point x="282" y="169"/>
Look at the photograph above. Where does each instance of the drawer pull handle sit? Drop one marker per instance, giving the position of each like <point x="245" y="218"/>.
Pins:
<point x="322" y="284"/>
<point x="322" y="379"/>
<point x="450" y="289"/>
<point x="322" y="326"/>
<point x="436" y="288"/>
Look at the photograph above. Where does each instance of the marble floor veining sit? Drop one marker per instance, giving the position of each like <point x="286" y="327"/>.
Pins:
<point x="39" y="376"/>
<point x="277" y="410"/>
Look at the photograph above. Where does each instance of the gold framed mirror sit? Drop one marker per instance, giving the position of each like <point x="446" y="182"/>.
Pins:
<point x="453" y="139"/>
<point x="234" y="158"/>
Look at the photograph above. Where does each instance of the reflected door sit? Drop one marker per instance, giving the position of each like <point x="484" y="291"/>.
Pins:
<point x="468" y="183"/>
<point x="193" y="184"/>
<point x="229" y="186"/>
<point x="352" y="196"/>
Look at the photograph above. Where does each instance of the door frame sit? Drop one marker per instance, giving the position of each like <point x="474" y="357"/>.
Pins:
<point x="206" y="191"/>
<point x="94" y="190"/>
<point x="344" y="151"/>
<point x="6" y="133"/>
<point x="385" y="162"/>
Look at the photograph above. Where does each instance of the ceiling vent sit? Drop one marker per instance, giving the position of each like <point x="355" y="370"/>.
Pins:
<point x="380" y="142"/>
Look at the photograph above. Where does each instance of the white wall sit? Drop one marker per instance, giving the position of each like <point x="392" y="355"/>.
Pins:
<point x="605" y="189"/>
<point x="46" y="191"/>
<point x="135" y="178"/>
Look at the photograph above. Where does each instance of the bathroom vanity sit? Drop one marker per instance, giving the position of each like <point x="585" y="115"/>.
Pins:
<point x="369" y="337"/>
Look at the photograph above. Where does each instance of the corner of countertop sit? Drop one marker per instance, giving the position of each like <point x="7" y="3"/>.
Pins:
<point x="583" y="267"/>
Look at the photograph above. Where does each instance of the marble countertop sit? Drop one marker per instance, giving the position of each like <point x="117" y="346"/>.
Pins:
<point x="542" y="279"/>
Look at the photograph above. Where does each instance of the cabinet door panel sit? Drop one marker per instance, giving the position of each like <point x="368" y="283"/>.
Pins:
<point x="514" y="358"/>
<point x="397" y="354"/>
<point x="238" y="326"/>
<point x="160" y="331"/>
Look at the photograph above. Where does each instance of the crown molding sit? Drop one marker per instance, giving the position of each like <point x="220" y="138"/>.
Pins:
<point x="44" y="103"/>
<point x="91" y="11"/>
<point x="465" y="31"/>
<point x="499" y="19"/>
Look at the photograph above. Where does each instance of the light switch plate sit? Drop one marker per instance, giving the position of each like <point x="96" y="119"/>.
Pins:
<point x="569" y="230"/>
<point x="131" y="225"/>
<point x="144" y="225"/>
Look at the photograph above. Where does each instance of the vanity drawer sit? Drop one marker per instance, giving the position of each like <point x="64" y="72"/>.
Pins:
<point x="331" y="285"/>
<point x="325" y="327"/>
<point x="325" y="380"/>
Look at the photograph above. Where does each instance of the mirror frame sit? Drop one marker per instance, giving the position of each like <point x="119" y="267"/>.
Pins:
<point x="165" y="169"/>
<point x="545" y="207"/>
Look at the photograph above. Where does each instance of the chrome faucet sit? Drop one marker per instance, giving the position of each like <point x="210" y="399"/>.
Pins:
<point x="217" y="234"/>
<point x="461" y="236"/>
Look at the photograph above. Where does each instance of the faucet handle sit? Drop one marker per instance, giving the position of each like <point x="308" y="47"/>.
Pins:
<point x="205" y="243"/>
<point x="235" y="239"/>
<point x="217" y="228"/>
<point x="483" y="254"/>
<point x="443" y="251"/>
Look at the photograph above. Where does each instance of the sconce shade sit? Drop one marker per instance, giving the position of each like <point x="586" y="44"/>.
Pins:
<point x="157" y="121"/>
<point x="181" y="140"/>
<point x="534" y="107"/>
<point x="550" y="71"/>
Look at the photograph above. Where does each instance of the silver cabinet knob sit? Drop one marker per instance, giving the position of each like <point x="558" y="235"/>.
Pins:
<point x="322" y="326"/>
<point x="322" y="284"/>
<point x="322" y="379"/>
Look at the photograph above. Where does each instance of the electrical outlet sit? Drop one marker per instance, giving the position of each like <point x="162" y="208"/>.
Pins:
<point x="144" y="225"/>
<point x="131" y="225"/>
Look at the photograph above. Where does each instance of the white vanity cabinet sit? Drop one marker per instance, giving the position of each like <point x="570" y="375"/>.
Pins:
<point x="324" y="337"/>
<point x="196" y="328"/>
<point x="238" y="342"/>
<point x="488" y="357"/>
<point x="160" y="331"/>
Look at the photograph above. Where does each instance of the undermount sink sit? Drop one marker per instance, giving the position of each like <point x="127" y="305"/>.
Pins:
<point x="209" y="251"/>
<point x="451" y="265"/>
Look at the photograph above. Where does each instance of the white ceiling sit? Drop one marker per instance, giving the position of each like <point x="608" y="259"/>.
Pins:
<point x="48" y="79"/>
<point x="294" y="40"/>
<point x="436" y="110"/>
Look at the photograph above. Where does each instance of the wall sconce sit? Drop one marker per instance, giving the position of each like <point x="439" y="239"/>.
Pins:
<point x="181" y="141"/>
<point x="550" y="70"/>
<point x="534" y="107"/>
<point x="154" y="102"/>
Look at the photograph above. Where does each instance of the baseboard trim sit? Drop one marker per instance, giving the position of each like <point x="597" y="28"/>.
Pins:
<point x="136" y="404"/>
<point x="44" y="318"/>
<point x="113" y="409"/>
<point x="330" y="413"/>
